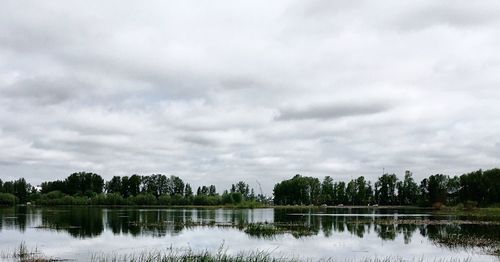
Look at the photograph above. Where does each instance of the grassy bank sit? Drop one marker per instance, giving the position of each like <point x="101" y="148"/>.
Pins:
<point x="24" y="254"/>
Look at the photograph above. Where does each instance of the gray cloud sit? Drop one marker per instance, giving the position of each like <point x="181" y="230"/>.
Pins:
<point x="44" y="91"/>
<point x="331" y="111"/>
<point x="239" y="90"/>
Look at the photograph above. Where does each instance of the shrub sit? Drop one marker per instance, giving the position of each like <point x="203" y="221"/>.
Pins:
<point x="7" y="199"/>
<point x="165" y="200"/>
<point x="144" y="199"/>
<point x="236" y="197"/>
<point x="108" y="199"/>
<point x="54" y="195"/>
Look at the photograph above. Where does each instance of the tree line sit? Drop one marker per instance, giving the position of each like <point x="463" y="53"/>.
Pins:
<point x="476" y="188"/>
<point x="85" y="188"/>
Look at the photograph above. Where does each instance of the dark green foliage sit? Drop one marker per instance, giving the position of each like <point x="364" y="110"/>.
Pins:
<point x="143" y="199"/>
<point x="211" y="190"/>
<point x="7" y="199"/>
<point x="407" y="190"/>
<point x="188" y="191"/>
<point x="114" y="185"/>
<point x="50" y="186"/>
<point x="298" y="190"/>
<point x="111" y="199"/>
<point x="327" y="192"/>
<point x="478" y="188"/>
<point x="19" y="188"/>
<point x="59" y="198"/>
<point x="385" y="189"/>
<point x="134" y="185"/>
<point x="242" y="188"/>
<point x="84" y="183"/>
<point x="481" y="187"/>
<point x="339" y="193"/>
<point x="81" y="183"/>
<point x="203" y="200"/>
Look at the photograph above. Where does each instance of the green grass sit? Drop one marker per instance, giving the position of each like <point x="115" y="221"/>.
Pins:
<point x="24" y="254"/>
<point x="255" y="256"/>
<point x="477" y="213"/>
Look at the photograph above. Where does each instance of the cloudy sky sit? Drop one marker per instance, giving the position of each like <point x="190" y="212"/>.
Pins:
<point x="221" y="91"/>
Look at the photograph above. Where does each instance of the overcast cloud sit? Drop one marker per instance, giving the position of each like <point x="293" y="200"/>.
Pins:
<point x="221" y="91"/>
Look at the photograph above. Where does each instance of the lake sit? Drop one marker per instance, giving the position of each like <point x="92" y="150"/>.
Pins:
<point x="338" y="233"/>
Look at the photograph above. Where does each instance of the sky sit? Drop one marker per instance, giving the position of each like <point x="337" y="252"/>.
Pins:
<point x="220" y="91"/>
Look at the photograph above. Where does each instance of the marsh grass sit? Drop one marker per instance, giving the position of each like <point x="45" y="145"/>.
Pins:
<point x="458" y="241"/>
<point x="256" y="256"/>
<point x="171" y="255"/>
<point x="188" y="255"/>
<point x="24" y="254"/>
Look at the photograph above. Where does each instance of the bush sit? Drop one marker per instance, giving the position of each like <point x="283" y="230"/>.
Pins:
<point x="68" y="200"/>
<point x="179" y="200"/>
<point x="144" y="199"/>
<point x="236" y="197"/>
<point x="200" y="200"/>
<point x="54" y="195"/>
<point x="112" y="199"/>
<point x="7" y="199"/>
<point x="165" y="200"/>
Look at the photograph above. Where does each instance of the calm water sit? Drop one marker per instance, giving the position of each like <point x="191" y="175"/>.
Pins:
<point x="76" y="233"/>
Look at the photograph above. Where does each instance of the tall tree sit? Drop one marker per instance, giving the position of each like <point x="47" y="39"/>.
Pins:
<point x="340" y="193"/>
<point x="327" y="190"/>
<point x="361" y="197"/>
<point x="114" y="185"/>
<point x="125" y="187"/>
<point x="177" y="185"/>
<point x="134" y="185"/>
<point x="212" y="191"/>
<point x="188" y="191"/>
<point x="386" y="189"/>
<point x="21" y="190"/>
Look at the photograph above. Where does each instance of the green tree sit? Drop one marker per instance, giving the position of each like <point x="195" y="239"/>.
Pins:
<point x="298" y="190"/>
<point x="21" y="190"/>
<point x="212" y="191"/>
<point x="243" y="188"/>
<point x="188" y="191"/>
<point x="327" y="190"/>
<point x="84" y="183"/>
<point x="177" y="185"/>
<point x="386" y="189"/>
<point x="114" y="185"/>
<point x="361" y="197"/>
<point x="340" y="193"/>
<point x="134" y="185"/>
<point x="437" y="188"/>
<point x="125" y="187"/>
<point x="407" y="190"/>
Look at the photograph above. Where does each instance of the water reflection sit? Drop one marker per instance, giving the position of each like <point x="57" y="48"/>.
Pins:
<point x="387" y="225"/>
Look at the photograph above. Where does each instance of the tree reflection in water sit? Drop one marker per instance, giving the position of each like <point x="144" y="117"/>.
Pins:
<point x="87" y="222"/>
